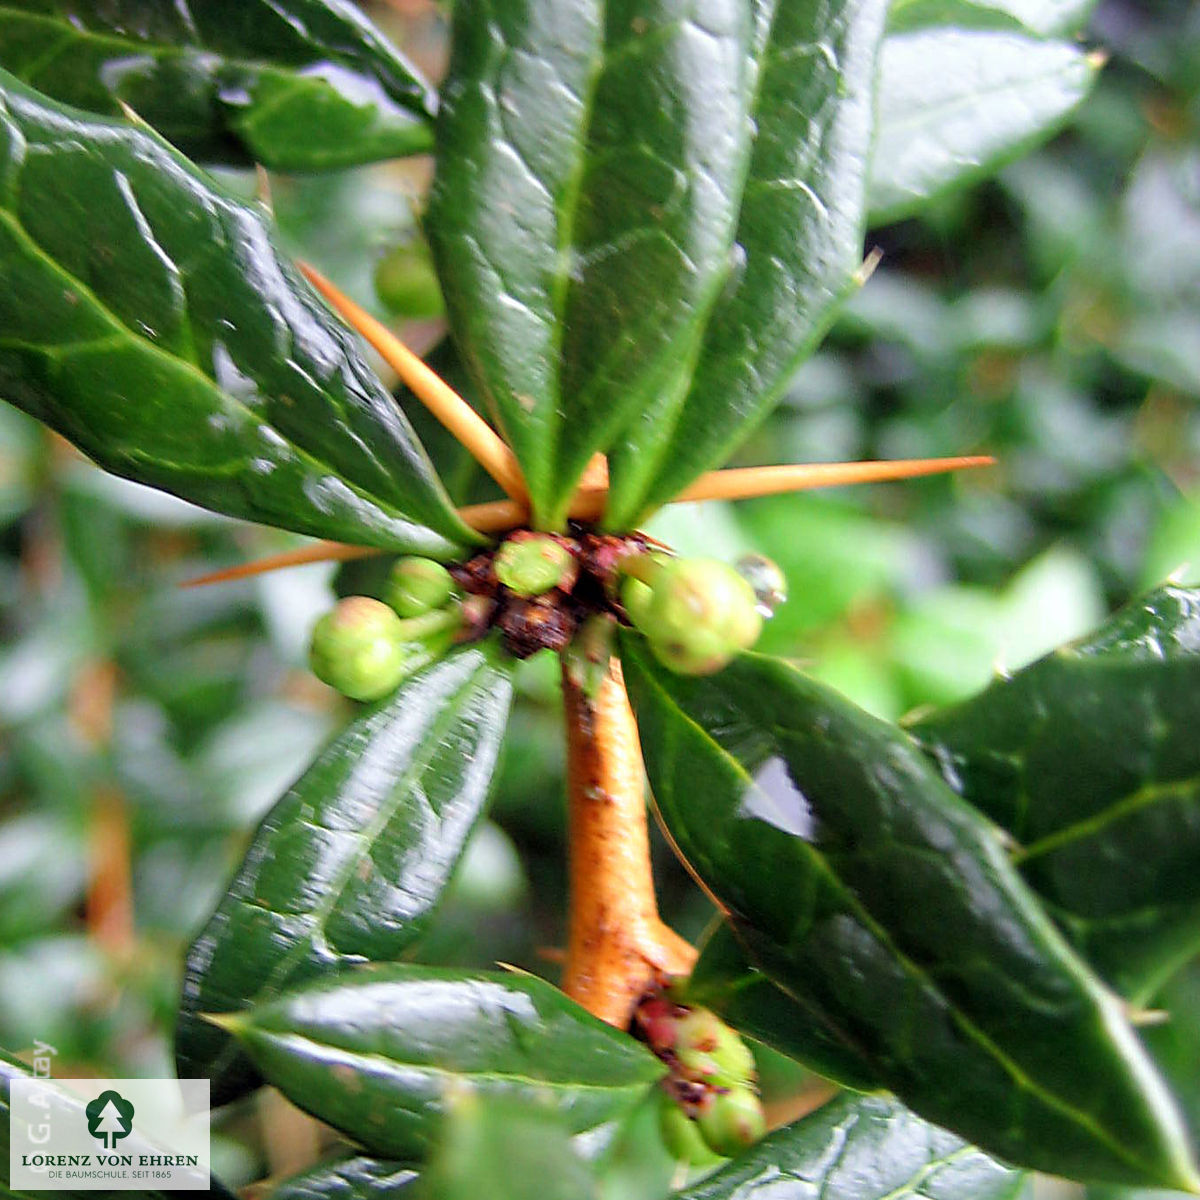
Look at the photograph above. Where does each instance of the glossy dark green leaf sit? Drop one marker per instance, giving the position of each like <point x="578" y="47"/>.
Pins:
<point x="798" y="245"/>
<point x="379" y="1051"/>
<point x="502" y="1149"/>
<point x="590" y="164"/>
<point x="955" y="103"/>
<point x="628" y="1156"/>
<point x="1173" y="1037"/>
<point x="860" y="882"/>
<point x="1090" y="758"/>
<point x="725" y="980"/>
<point x="350" y="864"/>
<point x="147" y="317"/>
<point x="358" y="1178"/>
<point x="1043" y="17"/>
<point x="292" y="84"/>
<point x="861" y="1148"/>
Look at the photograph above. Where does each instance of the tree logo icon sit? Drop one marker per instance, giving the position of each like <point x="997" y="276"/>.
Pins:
<point x="109" y="1118"/>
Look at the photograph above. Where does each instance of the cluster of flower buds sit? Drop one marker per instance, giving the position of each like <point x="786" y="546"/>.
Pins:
<point x="697" y="613"/>
<point x="709" y="1107"/>
<point x="544" y="591"/>
<point x="364" y="648"/>
<point x="527" y="589"/>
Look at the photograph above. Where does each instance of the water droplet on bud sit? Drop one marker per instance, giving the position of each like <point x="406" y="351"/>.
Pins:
<point x="767" y="580"/>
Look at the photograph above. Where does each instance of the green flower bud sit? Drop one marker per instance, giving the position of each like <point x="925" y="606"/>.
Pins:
<point x="697" y="1036"/>
<point x="700" y="613"/>
<point x="734" y="1060"/>
<point x="417" y="586"/>
<point x="533" y="565"/>
<point x="712" y="1052"/>
<point x="682" y="1136"/>
<point x="701" y="654"/>
<point x="732" y="1122"/>
<point x="635" y="596"/>
<point x="359" y="648"/>
<point x="406" y="282"/>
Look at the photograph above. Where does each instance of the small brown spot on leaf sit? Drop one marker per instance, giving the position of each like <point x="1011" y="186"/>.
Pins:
<point x="348" y="1077"/>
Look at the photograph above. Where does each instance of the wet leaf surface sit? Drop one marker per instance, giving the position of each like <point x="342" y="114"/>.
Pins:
<point x="635" y="228"/>
<point x="350" y="864"/>
<point x="358" y="1178"/>
<point x="888" y="908"/>
<point x="381" y="1051"/>
<point x="861" y="1148"/>
<point x="1089" y="758"/>
<point x="147" y="317"/>
<point x="798" y="244"/>
<point x="292" y="84"/>
<point x="956" y="102"/>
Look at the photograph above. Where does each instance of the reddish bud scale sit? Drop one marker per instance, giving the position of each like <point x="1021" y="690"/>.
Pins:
<point x="585" y="585"/>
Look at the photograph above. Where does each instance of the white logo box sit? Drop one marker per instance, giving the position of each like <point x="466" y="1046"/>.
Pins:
<point x="162" y="1144"/>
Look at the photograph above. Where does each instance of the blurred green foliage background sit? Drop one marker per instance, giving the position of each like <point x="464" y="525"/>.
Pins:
<point x="1050" y="317"/>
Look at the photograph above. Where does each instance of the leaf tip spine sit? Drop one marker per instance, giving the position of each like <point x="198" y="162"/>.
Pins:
<point x="231" y="1022"/>
<point x="130" y="114"/>
<point x="868" y="266"/>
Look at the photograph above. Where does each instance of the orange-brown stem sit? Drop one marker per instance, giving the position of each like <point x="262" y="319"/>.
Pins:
<point x="495" y="516"/>
<point x="491" y="451"/>
<point x="617" y="947"/>
<point x="783" y="1110"/>
<point x="291" y="1139"/>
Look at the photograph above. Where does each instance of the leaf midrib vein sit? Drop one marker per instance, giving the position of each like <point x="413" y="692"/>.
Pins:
<point x="13" y="222"/>
<point x="418" y="764"/>
<point x="287" y="1037"/>
<point x="1145" y="796"/>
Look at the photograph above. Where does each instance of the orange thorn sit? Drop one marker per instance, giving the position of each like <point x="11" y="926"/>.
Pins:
<point x="438" y="396"/>
<point x="742" y="483"/>
<point x="319" y="552"/>
<point x="495" y="516"/>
